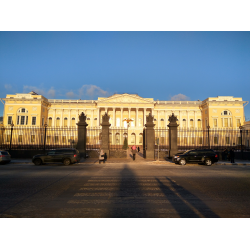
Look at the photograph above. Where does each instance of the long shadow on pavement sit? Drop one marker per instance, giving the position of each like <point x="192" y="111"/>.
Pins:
<point x="197" y="205"/>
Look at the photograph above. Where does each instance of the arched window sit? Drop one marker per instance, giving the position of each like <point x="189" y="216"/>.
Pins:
<point x="133" y="138"/>
<point x="65" y="122"/>
<point x="57" y="122"/>
<point x="22" y="116"/>
<point x="184" y="123"/>
<point x="162" y="123"/>
<point x="226" y="119"/>
<point x="199" y="123"/>
<point x="191" y="123"/>
<point x="50" y="122"/>
<point x="73" y="121"/>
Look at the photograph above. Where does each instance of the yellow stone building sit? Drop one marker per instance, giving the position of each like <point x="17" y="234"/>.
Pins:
<point x="34" y="110"/>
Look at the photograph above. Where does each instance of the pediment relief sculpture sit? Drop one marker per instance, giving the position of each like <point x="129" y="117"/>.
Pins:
<point x="125" y="98"/>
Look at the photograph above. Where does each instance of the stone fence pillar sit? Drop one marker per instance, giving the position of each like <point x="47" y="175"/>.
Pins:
<point x="105" y="134"/>
<point x="81" y="144"/>
<point x="150" y="137"/>
<point x="173" y="149"/>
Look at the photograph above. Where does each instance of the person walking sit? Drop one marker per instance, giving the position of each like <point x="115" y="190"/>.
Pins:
<point x="101" y="157"/>
<point x="138" y="149"/>
<point x="225" y="152"/>
<point x="133" y="151"/>
<point x="232" y="155"/>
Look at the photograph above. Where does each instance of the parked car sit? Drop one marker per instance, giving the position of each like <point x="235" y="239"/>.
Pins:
<point x="65" y="155"/>
<point x="205" y="156"/>
<point x="5" y="157"/>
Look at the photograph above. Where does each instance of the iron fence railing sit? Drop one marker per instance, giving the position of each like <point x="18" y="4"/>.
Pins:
<point x="118" y="138"/>
<point x="38" y="137"/>
<point x="217" y="139"/>
<point x="93" y="138"/>
<point x="162" y="137"/>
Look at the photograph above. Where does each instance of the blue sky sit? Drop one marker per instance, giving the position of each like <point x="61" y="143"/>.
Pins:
<point x="159" y="65"/>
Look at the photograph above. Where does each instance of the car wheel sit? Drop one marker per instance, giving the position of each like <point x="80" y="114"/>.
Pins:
<point x="183" y="162"/>
<point x="208" y="162"/>
<point x="37" y="162"/>
<point x="66" y="162"/>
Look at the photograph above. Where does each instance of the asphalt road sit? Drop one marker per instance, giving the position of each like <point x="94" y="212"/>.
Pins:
<point x="118" y="190"/>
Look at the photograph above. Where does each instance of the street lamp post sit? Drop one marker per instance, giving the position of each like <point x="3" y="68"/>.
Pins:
<point x="11" y="130"/>
<point x="241" y="148"/>
<point x="208" y="127"/>
<point x="45" y="129"/>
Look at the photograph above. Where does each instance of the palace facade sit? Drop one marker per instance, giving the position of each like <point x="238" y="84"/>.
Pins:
<point x="33" y="109"/>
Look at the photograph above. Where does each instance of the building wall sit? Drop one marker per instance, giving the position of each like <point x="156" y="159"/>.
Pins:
<point x="190" y="114"/>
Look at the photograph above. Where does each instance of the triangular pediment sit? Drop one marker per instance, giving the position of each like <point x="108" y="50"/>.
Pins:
<point x="125" y="98"/>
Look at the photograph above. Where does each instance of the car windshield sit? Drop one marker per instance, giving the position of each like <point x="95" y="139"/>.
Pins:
<point x="4" y="153"/>
<point x="186" y="152"/>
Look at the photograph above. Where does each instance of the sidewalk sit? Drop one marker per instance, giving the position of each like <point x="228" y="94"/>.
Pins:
<point x="137" y="161"/>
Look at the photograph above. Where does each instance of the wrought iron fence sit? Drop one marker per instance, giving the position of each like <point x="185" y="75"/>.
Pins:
<point x="217" y="139"/>
<point x="162" y="137"/>
<point x="38" y="137"/>
<point x="93" y="137"/>
<point x="118" y="138"/>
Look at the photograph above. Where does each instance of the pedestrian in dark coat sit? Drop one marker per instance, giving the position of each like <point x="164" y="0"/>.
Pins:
<point x="231" y="153"/>
<point x="225" y="152"/>
<point x="133" y="151"/>
<point x="138" y="149"/>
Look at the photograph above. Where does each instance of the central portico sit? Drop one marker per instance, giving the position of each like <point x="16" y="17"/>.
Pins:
<point x="121" y="106"/>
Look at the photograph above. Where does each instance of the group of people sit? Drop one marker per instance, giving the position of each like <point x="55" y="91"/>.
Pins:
<point x="103" y="157"/>
<point x="228" y="155"/>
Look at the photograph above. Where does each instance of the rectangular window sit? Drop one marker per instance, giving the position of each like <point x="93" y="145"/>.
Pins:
<point x="64" y="139"/>
<point x="178" y="140"/>
<point x="22" y="120"/>
<point x="56" y="139"/>
<point x="32" y="138"/>
<point x="185" y="140"/>
<point x="7" y="138"/>
<point x="238" y="122"/>
<point x="9" y="120"/>
<point x="226" y="122"/>
<point x="215" y="123"/>
<point x="42" y="121"/>
<point x="48" y="139"/>
<point x="206" y="123"/>
<point x="227" y="140"/>
<point x="200" y="140"/>
<point x="33" y="120"/>
<point x="18" y="117"/>
<point x="26" y="120"/>
<point x="193" y="140"/>
<point x="239" y="140"/>
<point x="215" y="140"/>
<point x="162" y="140"/>
<point x="20" y="138"/>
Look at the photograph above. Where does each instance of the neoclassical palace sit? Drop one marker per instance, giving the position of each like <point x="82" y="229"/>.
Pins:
<point x="32" y="109"/>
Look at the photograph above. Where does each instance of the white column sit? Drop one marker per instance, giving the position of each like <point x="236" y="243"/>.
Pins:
<point x="180" y="120"/>
<point x="195" y="122"/>
<point x="122" y="123"/>
<point x="92" y="117"/>
<point x="69" y="117"/>
<point x="55" y="118"/>
<point x="144" y="114"/>
<point x="136" y="122"/>
<point x="158" y="118"/>
<point x="62" y="118"/>
<point x="152" y="111"/>
<point x="166" y="119"/>
<point x="114" y="117"/>
<point x="98" y="117"/>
